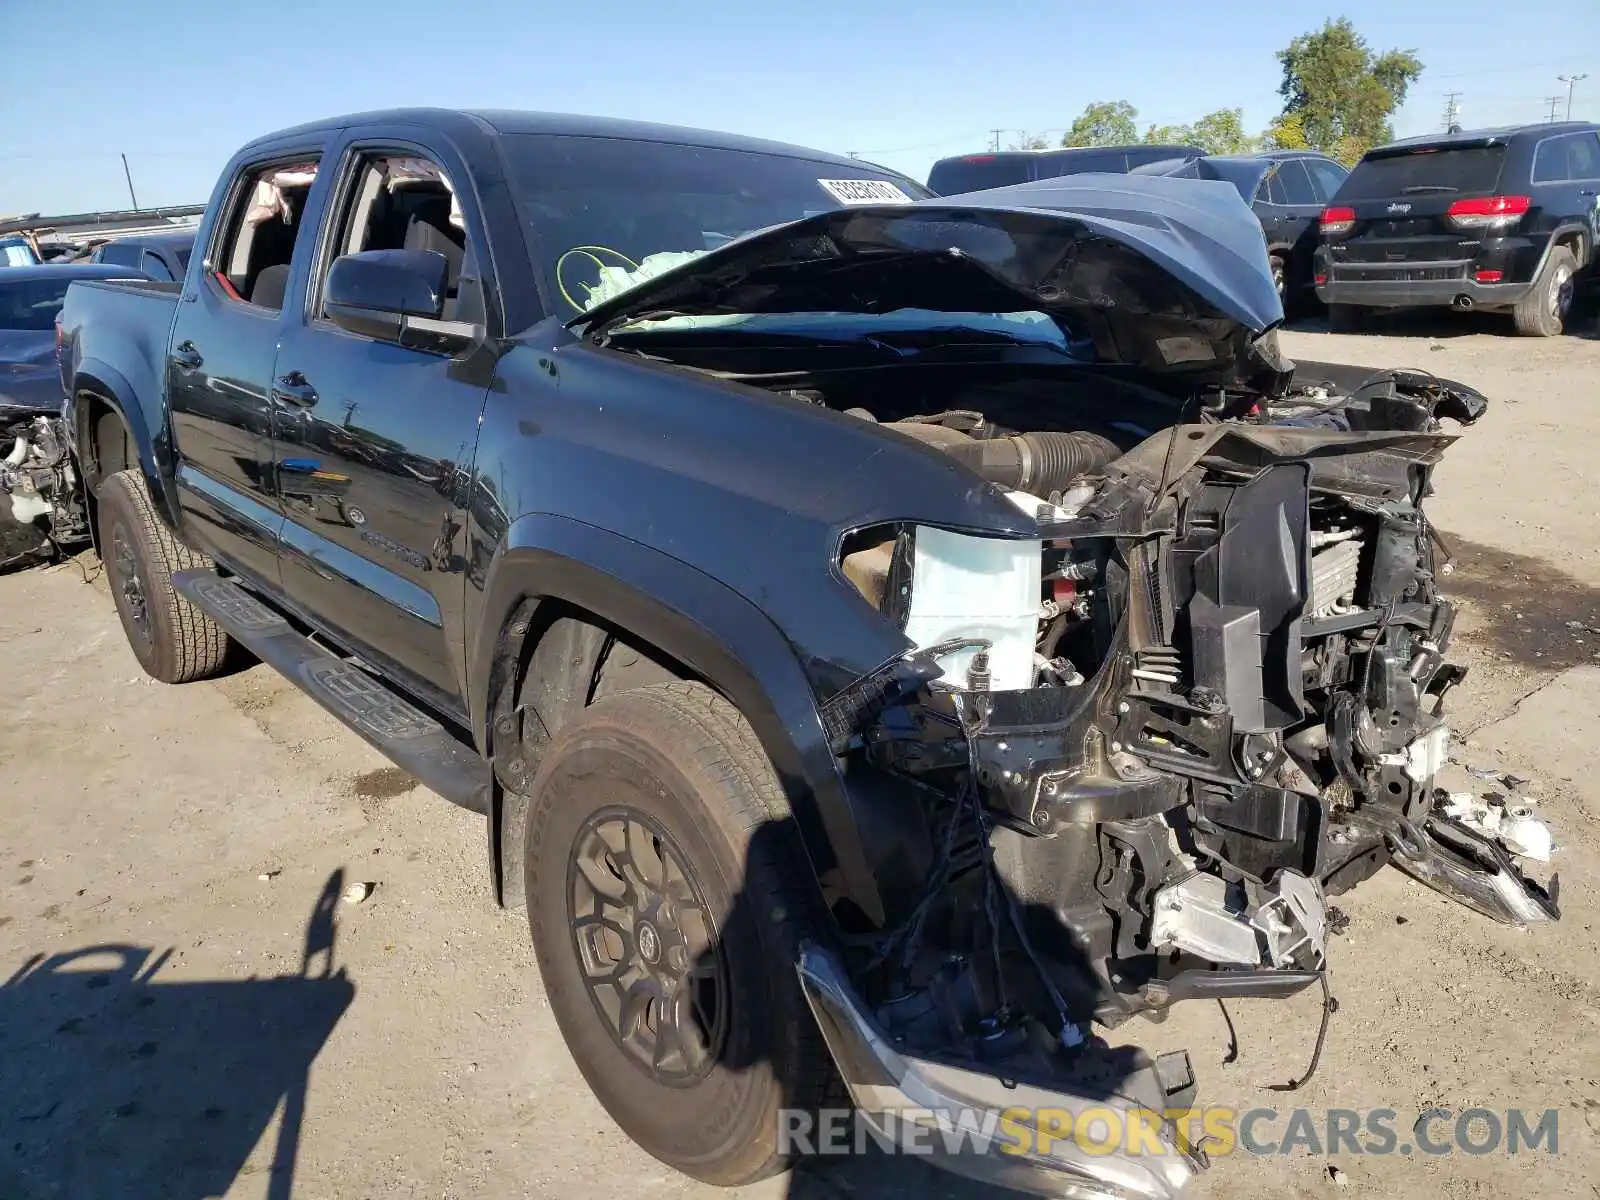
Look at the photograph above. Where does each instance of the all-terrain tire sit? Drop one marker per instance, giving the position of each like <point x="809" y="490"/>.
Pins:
<point x="678" y="760"/>
<point x="173" y="641"/>
<point x="1542" y="312"/>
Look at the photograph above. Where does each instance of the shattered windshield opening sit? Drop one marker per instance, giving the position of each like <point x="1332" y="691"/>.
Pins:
<point x="604" y="214"/>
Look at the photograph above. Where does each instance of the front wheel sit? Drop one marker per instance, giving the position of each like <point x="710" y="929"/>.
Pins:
<point x="668" y="899"/>
<point x="173" y="641"/>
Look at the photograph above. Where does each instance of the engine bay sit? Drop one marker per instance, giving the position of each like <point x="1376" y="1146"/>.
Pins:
<point x="43" y="508"/>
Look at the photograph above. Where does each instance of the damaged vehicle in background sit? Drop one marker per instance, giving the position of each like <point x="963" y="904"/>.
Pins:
<point x="41" y="509"/>
<point x="952" y="620"/>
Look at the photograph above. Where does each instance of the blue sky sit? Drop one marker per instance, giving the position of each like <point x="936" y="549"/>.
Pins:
<point x="180" y="84"/>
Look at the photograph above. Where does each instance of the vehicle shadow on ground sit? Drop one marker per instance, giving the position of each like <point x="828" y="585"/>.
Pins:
<point x="122" y="1086"/>
<point x="1531" y="612"/>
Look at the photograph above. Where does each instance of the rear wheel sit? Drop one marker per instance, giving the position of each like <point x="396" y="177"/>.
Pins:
<point x="1542" y="312"/>
<point x="173" y="641"/>
<point x="668" y="901"/>
<point x="1280" y="281"/>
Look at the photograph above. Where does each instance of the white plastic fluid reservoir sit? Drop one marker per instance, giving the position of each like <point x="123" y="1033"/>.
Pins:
<point x="977" y="587"/>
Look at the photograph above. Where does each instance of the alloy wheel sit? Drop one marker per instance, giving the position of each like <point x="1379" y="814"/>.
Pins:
<point x="130" y="582"/>
<point x="1561" y="292"/>
<point x="647" y="947"/>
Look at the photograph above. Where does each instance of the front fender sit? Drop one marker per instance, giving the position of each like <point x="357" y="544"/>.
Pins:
<point x="721" y="637"/>
<point x="112" y="388"/>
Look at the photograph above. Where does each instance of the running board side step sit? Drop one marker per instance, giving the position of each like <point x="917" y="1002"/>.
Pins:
<point x="397" y="729"/>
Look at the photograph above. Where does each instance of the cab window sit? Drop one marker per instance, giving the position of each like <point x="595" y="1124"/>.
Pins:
<point x="255" y="245"/>
<point x="401" y="201"/>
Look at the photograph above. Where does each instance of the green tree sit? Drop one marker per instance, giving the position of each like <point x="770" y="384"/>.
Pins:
<point x="1342" y="92"/>
<point x="1168" y="135"/>
<point x="1104" y="123"/>
<point x="1288" y="132"/>
<point x="1222" y="132"/>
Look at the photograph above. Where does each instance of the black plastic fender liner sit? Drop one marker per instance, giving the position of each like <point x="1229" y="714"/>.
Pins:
<point x="718" y="635"/>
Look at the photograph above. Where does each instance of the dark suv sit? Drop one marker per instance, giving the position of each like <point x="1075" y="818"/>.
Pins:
<point x="1503" y="219"/>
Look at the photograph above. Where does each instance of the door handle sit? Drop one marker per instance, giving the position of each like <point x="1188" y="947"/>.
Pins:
<point x="294" y="390"/>
<point x="187" y="357"/>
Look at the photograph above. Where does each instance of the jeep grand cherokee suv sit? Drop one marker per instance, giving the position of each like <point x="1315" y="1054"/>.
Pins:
<point x="1502" y="219"/>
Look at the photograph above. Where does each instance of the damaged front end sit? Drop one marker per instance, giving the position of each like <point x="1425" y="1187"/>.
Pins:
<point x="1141" y="765"/>
<point x="41" y="502"/>
<point x="1128" y="752"/>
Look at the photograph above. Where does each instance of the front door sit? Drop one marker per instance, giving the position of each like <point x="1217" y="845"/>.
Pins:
<point x="375" y="441"/>
<point x="224" y="341"/>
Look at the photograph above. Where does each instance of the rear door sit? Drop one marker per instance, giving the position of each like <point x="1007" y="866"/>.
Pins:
<point x="375" y="440"/>
<point x="1564" y="183"/>
<point x="224" y="340"/>
<point x="1400" y="198"/>
<point x="1297" y="208"/>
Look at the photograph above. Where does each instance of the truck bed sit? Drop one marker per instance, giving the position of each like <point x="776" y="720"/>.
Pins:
<point x="115" y="334"/>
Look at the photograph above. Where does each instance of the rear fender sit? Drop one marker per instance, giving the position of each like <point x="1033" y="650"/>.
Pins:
<point x="152" y="446"/>
<point x="717" y="635"/>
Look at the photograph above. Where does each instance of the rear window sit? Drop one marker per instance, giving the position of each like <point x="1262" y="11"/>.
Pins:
<point x="1464" y="169"/>
<point x="959" y="175"/>
<point x="31" y="305"/>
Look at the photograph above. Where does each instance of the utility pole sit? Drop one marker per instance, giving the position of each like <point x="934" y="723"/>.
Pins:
<point x="994" y="140"/>
<point x="1452" y="110"/>
<point x="1554" y="102"/>
<point x="128" y="175"/>
<point x="1571" y="81"/>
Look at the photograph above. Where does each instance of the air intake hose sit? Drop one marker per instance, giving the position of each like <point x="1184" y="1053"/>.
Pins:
<point x="1039" y="463"/>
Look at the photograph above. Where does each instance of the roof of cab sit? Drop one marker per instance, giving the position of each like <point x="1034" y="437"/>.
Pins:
<point x="502" y="121"/>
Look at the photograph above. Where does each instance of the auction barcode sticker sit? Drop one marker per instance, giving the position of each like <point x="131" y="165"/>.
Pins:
<point x="864" y="191"/>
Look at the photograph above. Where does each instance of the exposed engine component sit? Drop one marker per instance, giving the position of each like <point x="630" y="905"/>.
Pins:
<point x="1037" y="463"/>
<point x="1335" y="571"/>
<point x="1280" y="925"/>
<point x="41" y="489"/>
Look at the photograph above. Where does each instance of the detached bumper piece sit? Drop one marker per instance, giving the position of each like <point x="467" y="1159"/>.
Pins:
<point x="896" y="1091"/>
<point x="1476" y="870"/>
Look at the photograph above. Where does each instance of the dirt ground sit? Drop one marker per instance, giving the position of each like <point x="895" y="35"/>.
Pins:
<point x="188" y="1010"/>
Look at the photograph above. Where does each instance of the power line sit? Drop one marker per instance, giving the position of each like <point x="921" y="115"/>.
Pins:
<point x="1501" y="68"/>
<point x="1452" y="110"/>
<point x="1571" y="81"/>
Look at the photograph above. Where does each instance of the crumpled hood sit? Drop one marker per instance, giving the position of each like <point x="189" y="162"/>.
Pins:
<point x="1244" y="172"/>
<point x="1169" y="275"/>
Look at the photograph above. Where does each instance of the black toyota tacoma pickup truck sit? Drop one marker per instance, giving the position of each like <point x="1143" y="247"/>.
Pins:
<point x="888" y="637"/>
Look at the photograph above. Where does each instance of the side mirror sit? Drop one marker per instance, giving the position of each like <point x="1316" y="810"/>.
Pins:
<point x="397" y="295"/>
